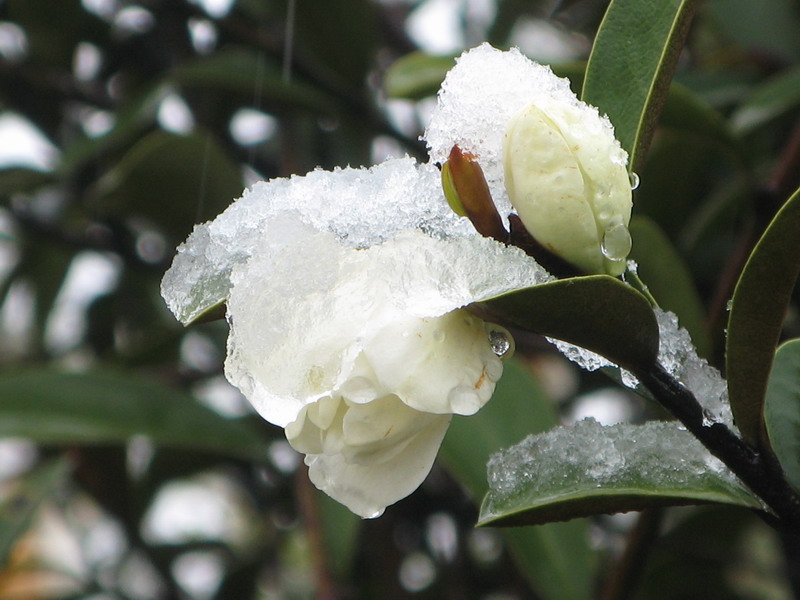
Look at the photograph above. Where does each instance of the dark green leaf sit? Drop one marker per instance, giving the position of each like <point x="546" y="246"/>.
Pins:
<point x="254" y="76"/>
<point x="172" y="180"/>
<point x="669" y="279"/>
<point x="756" y="318"/>
<point x="588" y="469"/>
<point x="555" y="557"/>
<point x="768" y="28"/>
<point x="340" y="529"/>
<point x="416" y="75"/>
<point x="686" y="111"/>
<point x="714" y="549"/>
<point x="631" y="65"/>
<point x="15" y="180"/>
<point x="595" y="312"/>
<point x="767" y="101"/>
<point x="782" y="410"/>
<point x="19" y="505"/>
<point x="108" y="407"/>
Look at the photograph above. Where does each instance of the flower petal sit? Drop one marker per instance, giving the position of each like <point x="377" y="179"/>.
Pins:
<point x="367" y="489"/>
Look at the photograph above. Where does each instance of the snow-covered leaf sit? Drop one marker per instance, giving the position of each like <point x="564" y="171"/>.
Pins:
<point x="589" y="469"/>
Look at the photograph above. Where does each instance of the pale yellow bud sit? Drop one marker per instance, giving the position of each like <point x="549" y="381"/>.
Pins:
<point x="566" y="177"/>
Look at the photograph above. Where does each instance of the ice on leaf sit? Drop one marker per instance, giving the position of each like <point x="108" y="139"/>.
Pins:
<point x="654" y="458"/>
<point x="678" y="356"/>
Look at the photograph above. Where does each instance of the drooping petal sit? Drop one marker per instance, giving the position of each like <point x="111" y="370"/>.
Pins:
<point x="367" y="489"/>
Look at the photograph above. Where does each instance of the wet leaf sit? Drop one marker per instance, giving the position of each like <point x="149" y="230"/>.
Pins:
<point x="595" y="312"/>
<point x="631" y="65"/>
<point x="756" y="317"/>
<point x="588" y="469"/>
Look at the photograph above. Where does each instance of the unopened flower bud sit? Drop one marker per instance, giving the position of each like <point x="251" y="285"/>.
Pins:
<point x="566" y="176"/>
<point x="468" y="194"/>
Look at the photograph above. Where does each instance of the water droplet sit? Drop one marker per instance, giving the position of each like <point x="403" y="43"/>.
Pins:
<point x="634" y="179"/>
<point x="439" y="335"/>
<point x="616" y="242"/>
<point x="501" y="342"/>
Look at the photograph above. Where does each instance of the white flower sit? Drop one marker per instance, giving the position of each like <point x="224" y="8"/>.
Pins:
<point x="343" y="293"/>
<point x="547" y="154"/>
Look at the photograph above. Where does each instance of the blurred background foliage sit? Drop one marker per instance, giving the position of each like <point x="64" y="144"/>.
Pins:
<point x="129" y="468"/>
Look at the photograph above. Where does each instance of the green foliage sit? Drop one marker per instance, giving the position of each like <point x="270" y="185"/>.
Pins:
<point x="756" y="316"/>
<point x="18" y="507"/>
<point x="596" y="312"/>
<point x="631" y="65"/>
<point x="669" y="279"/>
<point x="573" y="483"/>
<point x="124" y="188"/>
<point x="103" y="406"/>
<point x="782" y="409"/>
<point x="556" y="557"/>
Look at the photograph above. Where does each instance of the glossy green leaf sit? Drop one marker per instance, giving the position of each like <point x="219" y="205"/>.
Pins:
<point x="416" y="75"/>
<point x="109" y="407"/>
<point x="668" y="278"/>
<point x="756" y="317"/>
<point x="631" y="65"/>
<point x="595" y="312"/>
<point x="782" y="410"/>
<point x="767" y="101"/>
<point x="555" y="557"/>
<point x="22" y="497"/>
<point x="588" y="469"/>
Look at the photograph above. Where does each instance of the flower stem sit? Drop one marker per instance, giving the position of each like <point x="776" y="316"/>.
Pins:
<point x="752" y="467"/>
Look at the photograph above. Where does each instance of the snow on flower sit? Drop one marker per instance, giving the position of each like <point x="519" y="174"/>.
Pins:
<point x="346" y="291"/>
<point x="344" y="294"/>
<point x="545" y="153"/>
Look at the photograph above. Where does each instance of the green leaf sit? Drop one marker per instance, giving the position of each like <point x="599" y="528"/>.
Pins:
<point x="769" y="100"/>
<point x="416" y="75"/>
<point x="20" y="503"/>
<point x="107" y="407"/>
<point x="767" y="28"/>
<point x="340" y="529"/>
<point x="595" y="312"/>
<point x="684" y="110"/>
<point x="632" y="62"/>
<point x="173" y="180"/>
<point x="782" y="410"/>
<point x="555" y="557"/>
<point x="668" y="278"/>
<point x="588" y="469"/>
<point x="254" y="76"/>
<point x="756" y="318"/>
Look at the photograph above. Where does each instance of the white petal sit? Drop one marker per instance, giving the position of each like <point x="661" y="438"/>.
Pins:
<point x="368" y="489"/>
